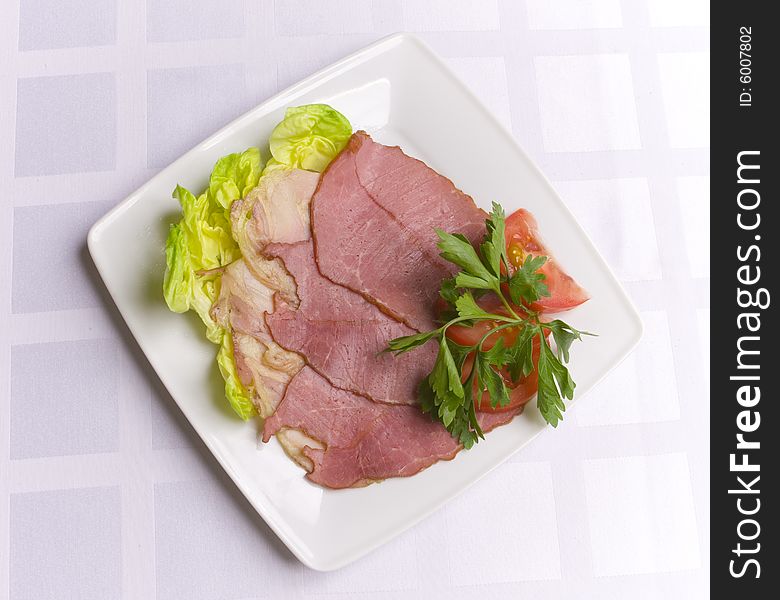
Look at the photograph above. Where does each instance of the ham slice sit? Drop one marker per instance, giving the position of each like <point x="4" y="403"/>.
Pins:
<point x="277" y="210"/>
<point x="362" y="441"/>
<point x="242" y="301"/>
<point x="280" y="206"/>
<point x="373" y="218"/>
<point x="264" y="367"/>
<point x="342" y="336"/>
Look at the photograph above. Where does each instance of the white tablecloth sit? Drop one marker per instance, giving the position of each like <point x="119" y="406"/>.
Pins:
<point x="106" y="492"/>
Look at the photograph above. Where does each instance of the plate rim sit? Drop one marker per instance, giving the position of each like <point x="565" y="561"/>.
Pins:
<point x="377" y="47"/>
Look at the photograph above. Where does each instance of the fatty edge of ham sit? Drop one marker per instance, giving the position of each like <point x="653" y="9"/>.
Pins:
<point x="276" y="210"/>
<point x="264" y="367"/>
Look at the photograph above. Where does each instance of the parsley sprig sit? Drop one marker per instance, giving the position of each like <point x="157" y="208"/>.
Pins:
<point x="448" y="393"/>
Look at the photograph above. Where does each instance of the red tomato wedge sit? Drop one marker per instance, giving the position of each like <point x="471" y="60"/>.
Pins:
<point x="522" y="238"/>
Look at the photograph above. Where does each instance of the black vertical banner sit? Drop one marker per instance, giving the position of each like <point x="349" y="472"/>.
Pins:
<point x="744" y="251"/>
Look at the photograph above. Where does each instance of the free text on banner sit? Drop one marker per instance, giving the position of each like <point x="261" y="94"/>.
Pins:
<point x="744" y="247"/>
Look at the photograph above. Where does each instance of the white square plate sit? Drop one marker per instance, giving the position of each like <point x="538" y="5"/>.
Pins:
<point x="401" y="93"/>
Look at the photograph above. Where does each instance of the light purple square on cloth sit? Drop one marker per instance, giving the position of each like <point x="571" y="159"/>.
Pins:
<point x="73" y="387"/>
<point x="50" y="24"/>
<point x="66" y="544"/>
<point x="65" y="124"/>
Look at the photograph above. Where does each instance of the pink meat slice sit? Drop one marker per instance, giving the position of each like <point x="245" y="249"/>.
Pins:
<point x="364" y="441"/>
<point x="374" y="216"/>
<point x="342" y="336"/>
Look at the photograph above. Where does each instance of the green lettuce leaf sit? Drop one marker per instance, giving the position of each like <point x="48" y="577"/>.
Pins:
<point x="199" y="245"/>
<point x="234" y="390"/>
<point x="273" y="165"/>
<point x="177" y="284"/>
<point x="234" y="175"/>
<point x="309" y="137"/>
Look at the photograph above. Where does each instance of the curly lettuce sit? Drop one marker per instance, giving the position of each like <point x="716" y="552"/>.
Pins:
<point x="199" y="245"/>
<point x="309" y="137"/>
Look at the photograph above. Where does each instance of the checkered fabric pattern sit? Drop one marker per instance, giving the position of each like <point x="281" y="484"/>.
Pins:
<point x="105" y="490"/>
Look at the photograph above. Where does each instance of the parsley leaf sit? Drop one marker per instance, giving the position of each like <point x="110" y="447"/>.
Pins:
<point x="458" y="250"/>
<point x="522" y="339"/>
<point x="459" y="353"/>
<point x="410" y="342"/>
<point x="527" y="284"/>
<point x="555" y="384"/>
<point x="468" y="308"/>
<point x="449" y="290"/>
<point x="498" y="355"/>
<point x="564" y="334"/>
<point x="493" y="247"/>
<point x="521" y="354"/>
<point x="491" y="381"/>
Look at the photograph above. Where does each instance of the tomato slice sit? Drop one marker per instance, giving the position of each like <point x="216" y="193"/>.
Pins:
<point x="522" y="236"/>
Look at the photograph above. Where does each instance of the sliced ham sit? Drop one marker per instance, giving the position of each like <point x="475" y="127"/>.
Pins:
<point x="296" y="443"/>
<point x="264" y="367"/>
<point x="308" y="347"/>
<point x="342" y="335"/>
<point x="242" y="300"/>
<point x="361" y="441"/>
<point x="277" y="210"/>
<point x="373" y="218"/>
